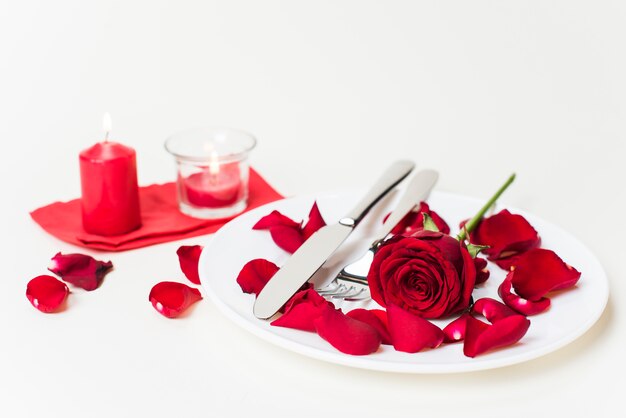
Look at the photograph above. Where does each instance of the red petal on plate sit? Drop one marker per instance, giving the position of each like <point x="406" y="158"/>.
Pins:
<point x="188" y="257"/>
<point x="374" y="320"/>
<point x="506" y="234"/>
<point x="314" y="223"/>
<point x="411" y="333"/>
<point x="481" y="337"/>
<point x="275" y="219"/>
<point x="255" y="274"/>
<point x="455" y="330"/>
<point x="518" y="303"/>
<point x="482" y="272"/>
<point x="171" y="299"/>
<point x="492" y="309"/>
<point x="414" y="221"/>
<point x="540" y="271"/>
<point x="346" y="334"/>
<point x="46" y="293"/>
<point x="302" y="310"/>
<point x="79" y="269"/>
<point x="287" y="238"/>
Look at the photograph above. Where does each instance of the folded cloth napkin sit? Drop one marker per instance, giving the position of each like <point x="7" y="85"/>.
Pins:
<point x="161" y="220"/>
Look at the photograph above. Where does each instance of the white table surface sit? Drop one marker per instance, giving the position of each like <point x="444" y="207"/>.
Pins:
<point x="334" y="90"/>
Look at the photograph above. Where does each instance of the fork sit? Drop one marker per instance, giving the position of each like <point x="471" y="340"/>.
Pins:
<point x="351" y="282"/>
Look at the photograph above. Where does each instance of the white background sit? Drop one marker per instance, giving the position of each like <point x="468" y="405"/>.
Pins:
<point x="334" y="91"/>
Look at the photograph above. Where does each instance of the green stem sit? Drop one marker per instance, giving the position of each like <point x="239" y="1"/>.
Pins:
<point x="472" y="223"/>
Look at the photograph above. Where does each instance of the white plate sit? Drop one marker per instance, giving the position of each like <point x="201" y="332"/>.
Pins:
<point x="572" y="313"/>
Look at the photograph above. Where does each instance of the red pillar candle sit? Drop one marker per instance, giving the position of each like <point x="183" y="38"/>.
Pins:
<point x="215" y="187"/>
<point x="110" y="196"/>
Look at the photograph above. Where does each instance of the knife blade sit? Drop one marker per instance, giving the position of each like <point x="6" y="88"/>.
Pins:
<point x="315" y="251"/>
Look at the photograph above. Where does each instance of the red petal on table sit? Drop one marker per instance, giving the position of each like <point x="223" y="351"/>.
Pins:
<point x="46" y="293"/>
<point x="374" y="320"/>
<point x="411" y="333"/>
<point x="79" y="269"/>
<point x="346" y="334"/>
<point x="482" y="272"/>
<point x="481" y="337"/>
<point x="275" y="219"/>
<point x="414" y="221"/>
<point x="314" y="223"/>
<point x="518" y="303"/>
<point x="302" y="310"/>
<point x="255" y="274"/>
<point x="540" y="271"/>
<point x="171" y="299"/>
<point x="287" y="238"/>
<point x="188" y="257"/>
<point x="455" y="330"/>
<point x="492" y="309"/>
<point x="506" y="234"/>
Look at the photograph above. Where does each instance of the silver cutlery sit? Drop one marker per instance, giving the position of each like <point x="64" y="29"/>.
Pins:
<point x="351" y="282"/>
<point x="315" y="251"/>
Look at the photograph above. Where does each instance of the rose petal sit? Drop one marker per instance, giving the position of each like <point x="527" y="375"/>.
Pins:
<point x="410" y="333"/>
<point x="287" y="238"/>
<point x="518" y="303"/>
<point x="373" y="319"/>
<point x="188" y="257"/>
<point x="482" y="272"/>
<point x="275" y="219"/>
<point x="481" y="337"/>
<point x="255" y="274"/>
<point x="46" y="293"/>
<point x="171" y="299"/>
<point x="455" y="330"/>
<point x="314" y="223"/>
<point x="492" y="309"/>
<point x="347" y="334"/>
<point x="540" y="271"/>
<point x="506" y="234"/>
<point x="414" y="221"/>
<point x="79" y="269"/>
<point x="302" y="310"/>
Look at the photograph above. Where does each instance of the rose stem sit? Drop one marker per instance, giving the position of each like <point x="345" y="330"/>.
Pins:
<point x="472" y="223"/>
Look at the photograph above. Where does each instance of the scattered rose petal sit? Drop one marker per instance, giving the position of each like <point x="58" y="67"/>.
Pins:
<point x="287" y="233"/>
<point x="188" y="257"/>
<point x="455" y="330"/>
<point x="79" y="269"/>
<point x="481" y="337"/>
<point x="518" y="303"/>
<point x="346" y="334"/>
<point x="482" y="272"/>
<point x="255" y="274"/>
<point x="411" y="333"/>
<point x="492" y="309"/>
<point x="540" y="271"/>
<point x="302" y="310"/>
<point x="46" y="293"/>
<point x="374" y="319"/>
<point x="171" y="299"/>
<point x="507" y="235"/>
<point x="414" y="221"/>
<point x="314" y="223"/>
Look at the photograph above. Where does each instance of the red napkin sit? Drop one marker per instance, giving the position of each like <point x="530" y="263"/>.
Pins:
<point x="160" y="217"/>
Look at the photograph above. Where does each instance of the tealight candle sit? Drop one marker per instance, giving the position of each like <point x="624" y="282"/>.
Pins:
<point x="212" y="171"/>
<point x="110" y="196"/>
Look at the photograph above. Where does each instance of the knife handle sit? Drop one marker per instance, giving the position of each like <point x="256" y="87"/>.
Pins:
<point x="392" y="176"/>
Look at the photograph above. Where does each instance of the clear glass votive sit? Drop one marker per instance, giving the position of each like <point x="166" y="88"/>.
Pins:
<point x="212" y="165"/>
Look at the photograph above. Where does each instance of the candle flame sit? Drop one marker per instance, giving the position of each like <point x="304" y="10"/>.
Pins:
<point x="107" y="125"/>
<point x="214" y="166"/>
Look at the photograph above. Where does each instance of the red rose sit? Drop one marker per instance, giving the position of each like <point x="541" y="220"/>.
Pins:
<point x="429" y="274"/>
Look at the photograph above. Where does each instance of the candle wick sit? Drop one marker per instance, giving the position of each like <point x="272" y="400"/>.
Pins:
<point x="106" y="136"/>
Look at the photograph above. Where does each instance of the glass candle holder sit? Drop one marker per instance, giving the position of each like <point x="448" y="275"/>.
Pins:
<point x="212" y="167"/>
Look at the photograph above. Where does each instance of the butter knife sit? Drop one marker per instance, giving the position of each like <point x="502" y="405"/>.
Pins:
<point x="315" y="251"/>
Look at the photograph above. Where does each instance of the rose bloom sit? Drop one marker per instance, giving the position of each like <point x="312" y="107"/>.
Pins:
<point x="428" y="273"/>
